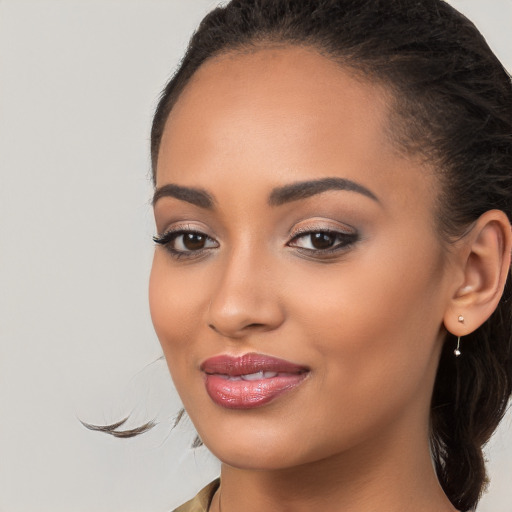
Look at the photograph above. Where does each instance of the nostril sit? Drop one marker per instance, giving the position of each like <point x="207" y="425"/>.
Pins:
<point x="253" y="326"/>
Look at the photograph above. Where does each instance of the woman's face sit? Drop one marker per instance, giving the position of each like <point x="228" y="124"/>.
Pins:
<point x="300" y="285"/>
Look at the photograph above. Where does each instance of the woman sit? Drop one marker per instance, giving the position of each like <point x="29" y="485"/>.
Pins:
<point x="330" y="283"/>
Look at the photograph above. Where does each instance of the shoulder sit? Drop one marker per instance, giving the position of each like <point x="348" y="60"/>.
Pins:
<point x="202" y="500"/>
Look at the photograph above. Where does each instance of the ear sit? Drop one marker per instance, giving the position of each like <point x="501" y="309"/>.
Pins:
<point x="484" y="261"/>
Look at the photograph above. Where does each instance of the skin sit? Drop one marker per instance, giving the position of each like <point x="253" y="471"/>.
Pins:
<point x="368" y="320"/>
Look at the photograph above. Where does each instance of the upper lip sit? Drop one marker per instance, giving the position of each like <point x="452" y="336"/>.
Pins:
<point x="249" y="363"/>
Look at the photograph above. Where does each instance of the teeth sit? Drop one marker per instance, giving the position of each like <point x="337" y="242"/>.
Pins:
<point x="253" y="376"/>
<point x="259" y="375"/>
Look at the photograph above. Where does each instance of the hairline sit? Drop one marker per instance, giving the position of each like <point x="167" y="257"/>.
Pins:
<point x="395" y="97"/>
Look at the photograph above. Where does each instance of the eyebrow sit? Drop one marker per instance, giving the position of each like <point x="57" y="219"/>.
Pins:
<point x="305" y="189"/>
<point x="278" y="197"/>
<point x="195" y="196"/>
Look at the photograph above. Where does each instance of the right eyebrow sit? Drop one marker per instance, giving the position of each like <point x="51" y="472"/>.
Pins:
<point x="195" y="196"/>
<point x="305" y="189"/>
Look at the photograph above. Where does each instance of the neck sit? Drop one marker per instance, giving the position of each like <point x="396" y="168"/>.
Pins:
<point x="392" y="478"/>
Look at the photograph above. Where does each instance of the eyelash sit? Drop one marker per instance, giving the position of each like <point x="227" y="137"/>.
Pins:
<point x="344" y="242"/>
<point x="166" y="240"/>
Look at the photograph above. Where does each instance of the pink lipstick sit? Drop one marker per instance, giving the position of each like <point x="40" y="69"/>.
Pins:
<point x="251" y="380"/>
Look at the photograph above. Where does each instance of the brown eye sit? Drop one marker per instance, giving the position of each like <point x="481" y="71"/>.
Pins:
<point x="190" y="242"/>
<point x="186" y="243"/>
<point x="322" y="240"/>
<point x="193" y="241"/>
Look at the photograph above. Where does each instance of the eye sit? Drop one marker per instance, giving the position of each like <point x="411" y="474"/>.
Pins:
<point x="323" y="241"/>
<point x="185" y="242"/>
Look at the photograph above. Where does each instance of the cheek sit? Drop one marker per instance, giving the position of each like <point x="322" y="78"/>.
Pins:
<point x="373" y="321"/>
<point x="175" y="304"/>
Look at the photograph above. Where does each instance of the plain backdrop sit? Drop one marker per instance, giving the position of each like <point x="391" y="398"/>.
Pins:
<point x="79" y="81"/>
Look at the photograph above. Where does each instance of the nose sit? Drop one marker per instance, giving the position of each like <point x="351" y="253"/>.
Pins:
<point x="245" y="298"/>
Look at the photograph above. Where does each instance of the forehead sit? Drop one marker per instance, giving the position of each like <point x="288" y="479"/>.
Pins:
<point x="291" y="85"/>
<point x="280" y="114"/>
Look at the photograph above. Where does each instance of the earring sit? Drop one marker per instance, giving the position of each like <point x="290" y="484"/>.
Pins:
<point x="457" y="351"/>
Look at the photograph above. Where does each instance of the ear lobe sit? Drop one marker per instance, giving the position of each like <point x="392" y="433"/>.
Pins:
<point x="485" y="265"/>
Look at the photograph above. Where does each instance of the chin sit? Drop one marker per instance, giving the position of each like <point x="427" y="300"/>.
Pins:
<point x="251" y="448"/>
<point x="266" y="447"/>
<point x="255" y="458"/>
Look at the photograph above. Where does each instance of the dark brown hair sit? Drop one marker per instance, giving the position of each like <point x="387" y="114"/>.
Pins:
<point x="453" y="107"/>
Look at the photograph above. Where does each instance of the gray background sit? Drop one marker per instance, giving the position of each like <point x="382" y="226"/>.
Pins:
<point x="78" y="83"/>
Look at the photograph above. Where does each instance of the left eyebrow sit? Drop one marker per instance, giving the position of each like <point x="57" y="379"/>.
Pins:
<point x="195" y="196"/>
<point x="305" y="189"/>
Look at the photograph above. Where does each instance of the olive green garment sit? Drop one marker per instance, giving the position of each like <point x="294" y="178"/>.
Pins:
<point x="201" y="503"/>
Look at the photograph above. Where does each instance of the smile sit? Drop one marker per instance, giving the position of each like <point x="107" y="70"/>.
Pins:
<point x="249" y="381"/>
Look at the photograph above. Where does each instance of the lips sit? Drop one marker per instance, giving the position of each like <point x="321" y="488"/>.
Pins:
<point x="251" y="380"/>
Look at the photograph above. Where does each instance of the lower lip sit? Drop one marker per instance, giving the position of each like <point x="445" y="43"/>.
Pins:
<point x="244" y="394"/>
